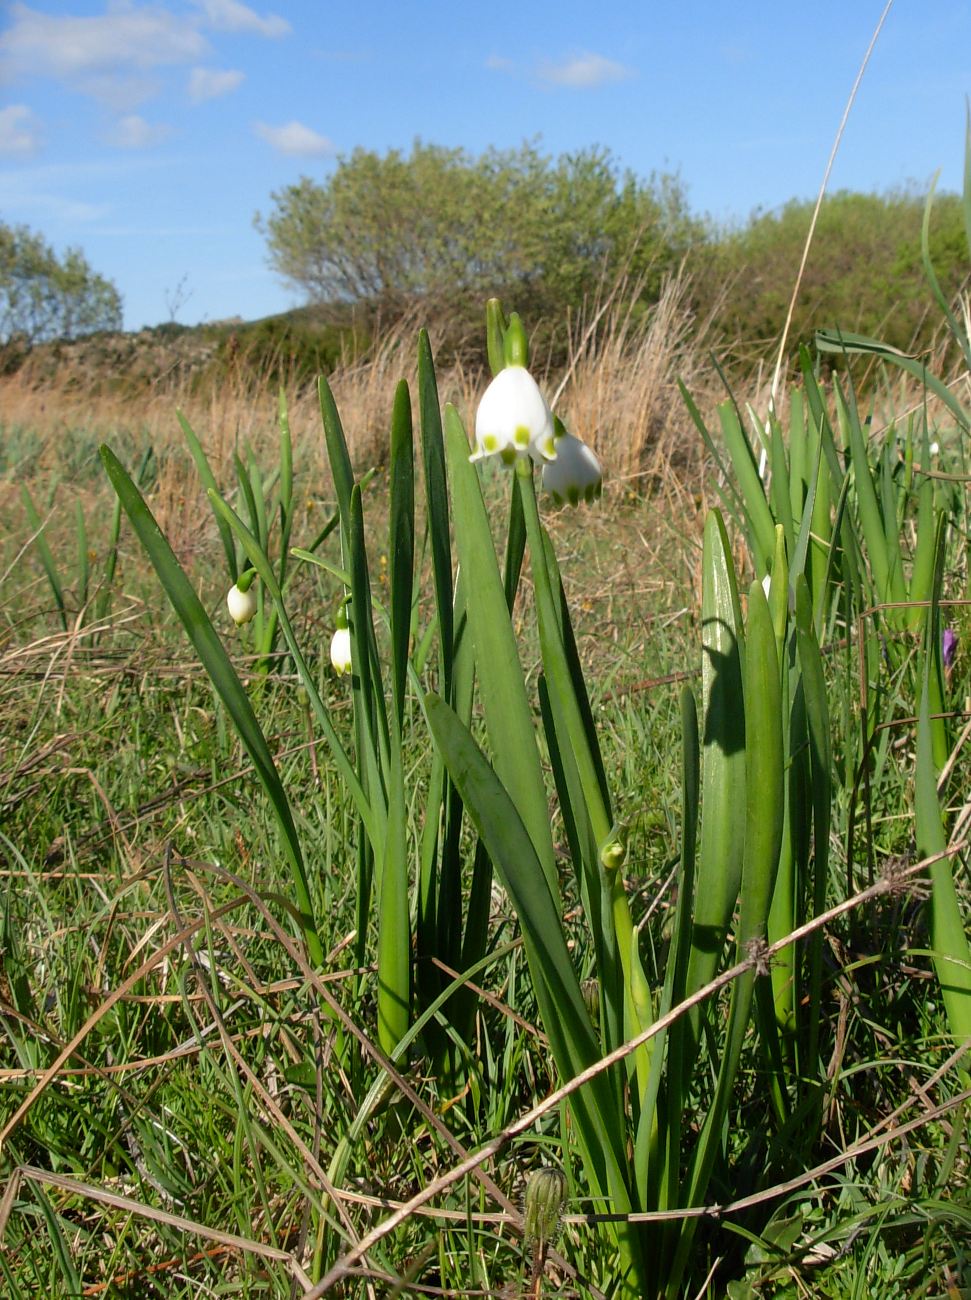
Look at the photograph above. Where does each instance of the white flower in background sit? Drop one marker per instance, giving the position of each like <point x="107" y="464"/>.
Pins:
<point x="513" y="419"/>
<point x="575" y="475"/>
<point x="340" y="650"/>
<point x="241" y="604"/>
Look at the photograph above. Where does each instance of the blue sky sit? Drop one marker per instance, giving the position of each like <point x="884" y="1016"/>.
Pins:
<point x="151" y="133"/>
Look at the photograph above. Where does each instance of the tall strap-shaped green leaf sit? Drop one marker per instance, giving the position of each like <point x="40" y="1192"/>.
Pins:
<point x="208" y="479"/>
<point x="760" y="524"/>
<point x="948" y="928"/>
<point x="217" y="664"/>
<point x="724" y="480"/>
<point x="723" y="757"/>
<point x="394" y="924"/>
<point x="401" y="545"/>
<point x="599" y="1127"/>
<point x="657" y="1152"/>
<point x="501" y="683"/>
<point x="436" y="501"/>
<point x="763" y="834"/>
<point x="818" y="725"/>
<point x="779" y="488"/>
<point x="37" y="527"/>
<point x="84" y="566"/>
<point x="860" y="344"/>
<point x="339" y="457"/>
<point x="286" y="484"/>
<point x="369" y="701"/>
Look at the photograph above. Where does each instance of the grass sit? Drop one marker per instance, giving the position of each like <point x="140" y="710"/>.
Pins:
<point x="196" y="1106"/>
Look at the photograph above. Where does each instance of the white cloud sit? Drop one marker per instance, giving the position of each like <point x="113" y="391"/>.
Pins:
<point x="19" y="131"/>
<point x="75" y="48"/>
<point x="211" y="83"/>
<point x="495" y="63"/>
<point x="109" y="55"/>
<point x="294" y="138"/>
<point x="133" y="132"/>
<point x="120" y="93"/>
<point x="232" y="16"/>
<point x="584" y="71"/>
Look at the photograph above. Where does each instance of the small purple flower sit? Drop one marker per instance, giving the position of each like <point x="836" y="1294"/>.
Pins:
<point x="949" y="646"/>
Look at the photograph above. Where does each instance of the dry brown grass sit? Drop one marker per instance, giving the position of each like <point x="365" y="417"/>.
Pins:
<point x="619" y="392"/>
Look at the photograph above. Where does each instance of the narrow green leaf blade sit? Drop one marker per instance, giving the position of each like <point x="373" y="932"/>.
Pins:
<point x="401" y="545"/>
<point x="503" y="690"/>
<point x="208" y="479"/>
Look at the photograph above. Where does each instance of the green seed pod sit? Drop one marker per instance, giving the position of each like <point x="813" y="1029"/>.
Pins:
<point x="613" y="851"/>
<point x="591" y="999"/>
<point x="545" y="1194"/>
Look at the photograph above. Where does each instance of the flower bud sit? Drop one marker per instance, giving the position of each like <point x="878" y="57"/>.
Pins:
<point x="513" y="419"/>
<point x="545" y="1194"/>
<point x="241" y="603"/>
<point x="340" y="650"/>
<point x="949" y="647"/>
<point x="614" y="853"/>
<point x="575" y="475"/>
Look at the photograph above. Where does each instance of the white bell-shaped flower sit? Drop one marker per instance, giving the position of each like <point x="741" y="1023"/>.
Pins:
<point x="340" y="651"/>
<point x="241" y="604"/>
<point x="514" y="419"/>
<point x="575" y="475"/>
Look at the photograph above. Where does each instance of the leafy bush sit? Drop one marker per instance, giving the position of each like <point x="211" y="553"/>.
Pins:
<point x="864" y="269"/>
<point x="448" y="228"/>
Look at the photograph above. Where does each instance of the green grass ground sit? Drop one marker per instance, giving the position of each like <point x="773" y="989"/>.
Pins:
<point x="183" y="1101"/>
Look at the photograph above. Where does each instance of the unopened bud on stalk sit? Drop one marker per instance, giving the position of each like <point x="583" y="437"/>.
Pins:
<point x="241" y="599"/>
<point x="590" y="989"/>
<point x="340" y="644"/>
<point x="545" y="1194"/>
<point x="613" y="851"/>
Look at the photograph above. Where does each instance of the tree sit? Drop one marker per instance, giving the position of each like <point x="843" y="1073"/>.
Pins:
<point x="449" y="228"/>
<point x="43" y="296"/>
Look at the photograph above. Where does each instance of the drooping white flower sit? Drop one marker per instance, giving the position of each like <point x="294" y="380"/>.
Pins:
<point x="575" y="475"/>
<point x="340" y="650"/>
<point x="514" y="419"/>
<point x="241" y="604"/>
